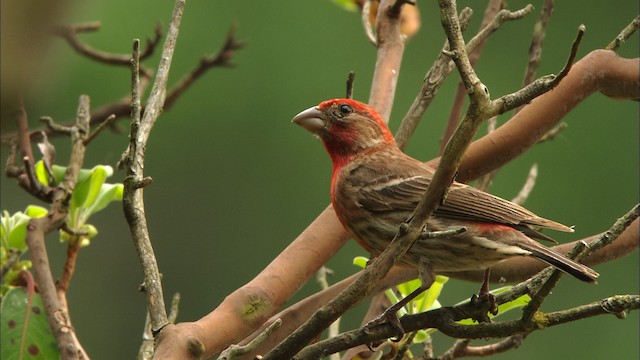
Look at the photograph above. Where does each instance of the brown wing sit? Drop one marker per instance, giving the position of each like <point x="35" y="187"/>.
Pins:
<point x="394" y="193"/>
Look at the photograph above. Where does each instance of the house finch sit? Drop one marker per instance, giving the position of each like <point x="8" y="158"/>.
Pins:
<point x="375" y="187"/>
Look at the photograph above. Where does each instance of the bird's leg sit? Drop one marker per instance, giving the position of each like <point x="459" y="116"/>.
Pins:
<point x="484" y="289"/>
<point x="390" y="315"/>
<point x="484" y="299"/>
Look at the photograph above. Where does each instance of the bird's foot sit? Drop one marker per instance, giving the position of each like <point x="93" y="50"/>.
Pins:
<point x="388" y="316"/>
<point x="486" y="304"/>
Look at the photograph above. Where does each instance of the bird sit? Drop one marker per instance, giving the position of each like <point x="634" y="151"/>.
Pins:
<point x="375" y="188"/>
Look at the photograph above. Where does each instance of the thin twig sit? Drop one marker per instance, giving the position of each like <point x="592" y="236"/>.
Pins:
<point x="223" y="58"/>
<point x="540" y="86"/>
<point x="461" y="348"/>
<point x="551" y="276"/>
<point x="350" y="83"/>
<point x="456" y="349"/>
<point x="133" y="159"/>
<point x="624" y="34"/>
<point x="523" y="195"/>
<point x="235" y="350"/>
<point x="493" y="7"/>
<point x="535" y="47"/>
<point x="442" y="67"/>
<point x="70" y="33"/>
<point x="432" y="81"/>
<point x="103" y="125"/>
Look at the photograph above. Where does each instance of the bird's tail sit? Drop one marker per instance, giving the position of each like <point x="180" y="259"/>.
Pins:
<point x="577" y="270"/>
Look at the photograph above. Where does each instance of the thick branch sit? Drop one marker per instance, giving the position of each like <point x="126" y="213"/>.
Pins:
<point x="616" y="77"/>
<point x="389" y="57"/>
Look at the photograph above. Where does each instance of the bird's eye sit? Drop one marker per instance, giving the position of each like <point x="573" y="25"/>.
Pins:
<point x="345" y="109"/>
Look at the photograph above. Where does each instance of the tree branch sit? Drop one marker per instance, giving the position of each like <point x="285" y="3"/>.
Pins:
<point x="619" y="78"/>
<point x="390" y="45"/>
<point x="70" y="34"/>
<point x="492" y="13"/>
<point x="55" y="308"/>
<point x="445" y="319"/>
<point x="133" y="159"/>
<point x="624" y="34"/>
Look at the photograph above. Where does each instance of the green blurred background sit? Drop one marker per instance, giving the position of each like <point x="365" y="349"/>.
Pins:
<point x="235" y="181"/>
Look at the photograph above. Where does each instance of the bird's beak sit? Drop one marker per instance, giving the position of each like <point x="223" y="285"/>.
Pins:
<point x="310" y="119"/>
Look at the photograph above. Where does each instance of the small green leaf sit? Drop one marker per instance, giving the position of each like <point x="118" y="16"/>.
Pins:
<point x="107" y="194"/>
<point x="408" y="287"/>
<point x="90" y="229"/>
<point x="38" y="342"/>
<point x="432" y="294"/>
<point x="79" y="195"/>
<point x="360" y="261"/>
<point x="421" y="336"/>
<point x="59" y="171"/>
<point x="34" y="211"/>
<point x="98" y="175"/>
<point x="17" y="231"/>
<point x="41" y="173"/>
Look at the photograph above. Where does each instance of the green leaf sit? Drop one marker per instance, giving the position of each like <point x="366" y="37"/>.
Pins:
<point x="432" y="294"/>
<point x="360" y="261"/>
<point x="17" y="231"/>
<point x="59" y="171"/>
<point x="79" y="196"/>
<point x="107" y="194"/>
<point x="41" y="173"/>
<point x="98" y="175"/>
<point x="34" y="211"/>
<point x="408" y="287"/>
<point x="39" y="342"/>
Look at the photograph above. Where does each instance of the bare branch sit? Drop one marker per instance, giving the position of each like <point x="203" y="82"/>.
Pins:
<point x="493" y="8"/>
<point x="103" y="125"/>
<point x="223" y="58"/>
<point x="461" y="348"/>
<point x="527" y="187"/>
<point x="390" y="44"/>
<point x="540" y="86"/>
<point x="350" y="82"/>
<point x="70" y="33"/>
<point x="624" y="34"/>
<point x="235" y="350"/>
<point x="445" y="319"/>
<point x="54" y="299"/>
<point x="535" y="48"/>
<point x="133" y="159"/>
<point x="432" y="81"/>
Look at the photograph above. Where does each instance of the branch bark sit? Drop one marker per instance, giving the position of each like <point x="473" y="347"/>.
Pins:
<point x="445" y="319"/>
<point x="133" y="159"/>
<point x="56" y="308"/>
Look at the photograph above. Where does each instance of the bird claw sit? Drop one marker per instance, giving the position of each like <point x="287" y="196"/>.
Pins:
<point x="486" y="303"/>
<point x="386" y="317"/>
